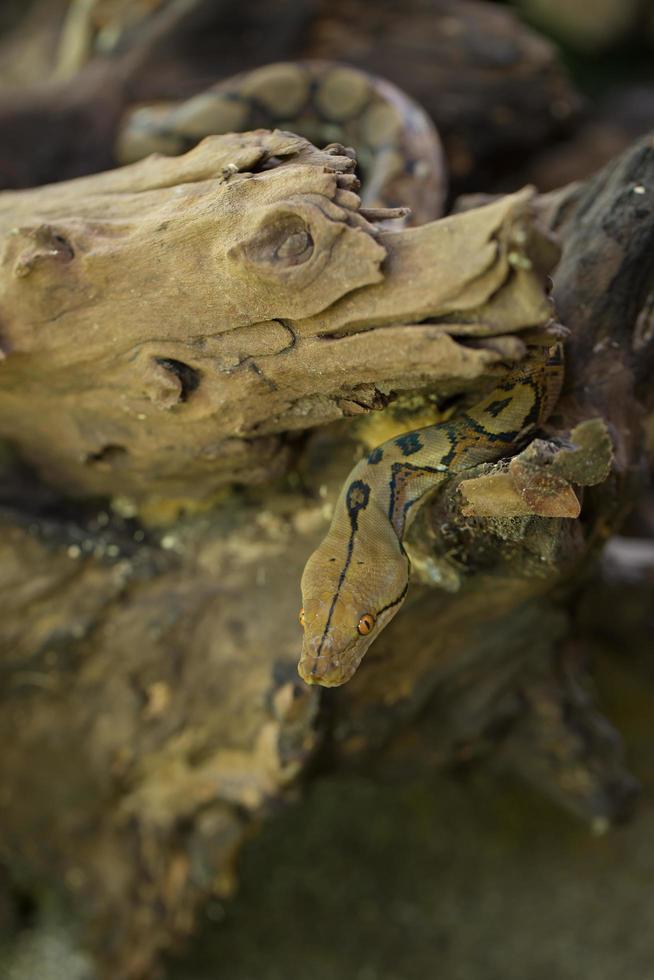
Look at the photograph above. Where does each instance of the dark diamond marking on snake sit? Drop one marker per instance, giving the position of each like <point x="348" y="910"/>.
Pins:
<point x="376" y="455"/>
<point x="495" y="408"/>
<point x="452" y="438"/>
<point x="358" y="495"/>
<point x="409" y="444"/>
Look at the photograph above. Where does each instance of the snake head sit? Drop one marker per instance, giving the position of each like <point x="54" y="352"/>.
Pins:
<point x="351" y="589"/>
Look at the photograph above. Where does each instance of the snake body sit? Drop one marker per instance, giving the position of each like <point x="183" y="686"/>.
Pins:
<point x="399" y="153"/>
<point x="357" y="579"/>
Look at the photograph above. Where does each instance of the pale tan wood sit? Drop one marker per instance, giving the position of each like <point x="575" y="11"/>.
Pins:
<point x="163" y="325"/>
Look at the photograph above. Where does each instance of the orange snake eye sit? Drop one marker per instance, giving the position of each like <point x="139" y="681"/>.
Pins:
<point x="301" y="617"/>
<point x="366" y="623"/>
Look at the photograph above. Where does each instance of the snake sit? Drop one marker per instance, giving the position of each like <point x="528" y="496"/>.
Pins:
<point x="400" y="158"/>
<point x="357" y="579"/>
<point x="355" y="582"/>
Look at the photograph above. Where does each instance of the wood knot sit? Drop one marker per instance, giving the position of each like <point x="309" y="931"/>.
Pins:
<point x="284" y="242"/>
<point x="47" y="245"/>
<point x="171" y="382"/>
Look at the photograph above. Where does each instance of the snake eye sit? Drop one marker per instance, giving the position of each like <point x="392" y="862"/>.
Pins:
<point x="301" y="617"/>
<point x="366" y="623"/>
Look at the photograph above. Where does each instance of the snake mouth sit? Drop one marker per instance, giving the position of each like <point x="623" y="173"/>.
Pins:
<point x="327" y="669"/>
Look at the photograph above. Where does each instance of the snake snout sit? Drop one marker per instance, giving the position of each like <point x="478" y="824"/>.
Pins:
<point x="324" y="662"/>
<point x="319" y="670"/>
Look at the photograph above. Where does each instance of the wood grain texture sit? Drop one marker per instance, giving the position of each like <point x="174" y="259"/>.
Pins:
<point x="160" y="336"/>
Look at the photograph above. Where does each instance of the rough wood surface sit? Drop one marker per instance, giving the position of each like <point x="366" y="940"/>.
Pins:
<point x="150" y="690"/>
<point x="183" y="314"/>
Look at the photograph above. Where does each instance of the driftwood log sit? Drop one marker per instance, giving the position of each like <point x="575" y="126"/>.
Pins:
<point x="191" y="310"/>
<point x="185" y="323"/>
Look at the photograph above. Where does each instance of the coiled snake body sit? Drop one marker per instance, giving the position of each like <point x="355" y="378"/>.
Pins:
<point x="399" y="153"/>
<point x="357" y="579"/>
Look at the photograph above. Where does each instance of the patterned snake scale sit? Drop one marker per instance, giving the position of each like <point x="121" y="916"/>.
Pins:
<point x="356" y="580"/>
<point x="399" y="154"/>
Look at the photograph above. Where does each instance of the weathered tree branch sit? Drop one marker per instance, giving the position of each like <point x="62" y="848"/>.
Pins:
<point x="185" y="312"/>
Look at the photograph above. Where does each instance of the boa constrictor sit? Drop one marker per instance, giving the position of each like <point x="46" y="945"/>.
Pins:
<point x="357" y="579"/>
